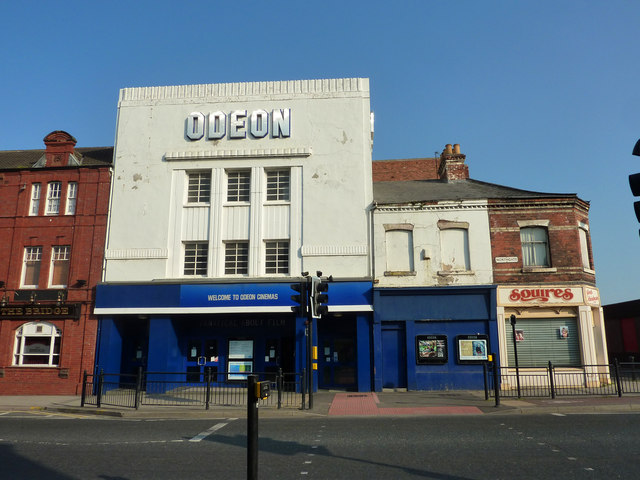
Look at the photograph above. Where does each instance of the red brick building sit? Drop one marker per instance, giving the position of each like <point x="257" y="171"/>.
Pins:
<point x="53" y="216"/>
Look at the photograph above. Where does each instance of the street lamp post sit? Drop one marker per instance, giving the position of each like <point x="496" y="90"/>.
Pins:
<point x="515" y="351"/>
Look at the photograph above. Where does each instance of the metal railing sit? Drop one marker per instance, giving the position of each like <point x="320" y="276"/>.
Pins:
<point x="189" y="389"/>
<point x="561" y="380"/>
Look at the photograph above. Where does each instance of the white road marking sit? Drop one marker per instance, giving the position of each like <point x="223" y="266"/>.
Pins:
<point x="211" y="430"/>
<point x="559" y="414"/>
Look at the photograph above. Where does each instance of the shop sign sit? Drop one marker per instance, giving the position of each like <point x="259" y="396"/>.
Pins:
<point x="543" y="295"/>
<point x="592" y="296"/>
<point x="39" y="311"/>
<point x="239" y="124"/>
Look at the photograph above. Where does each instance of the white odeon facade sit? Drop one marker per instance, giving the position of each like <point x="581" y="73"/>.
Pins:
<point x="222" y="195"/>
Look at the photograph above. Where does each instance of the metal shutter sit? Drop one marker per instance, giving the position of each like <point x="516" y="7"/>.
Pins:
<point x="542" y="342"/>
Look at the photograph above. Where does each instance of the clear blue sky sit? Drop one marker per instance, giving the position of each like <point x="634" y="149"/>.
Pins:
<point x="541" y="95"/>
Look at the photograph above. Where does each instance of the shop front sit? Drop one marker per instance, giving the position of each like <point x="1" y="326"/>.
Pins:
<point x="232" y="330"/>
<point x="433" y="338"/>
<point x="561" y="324"/>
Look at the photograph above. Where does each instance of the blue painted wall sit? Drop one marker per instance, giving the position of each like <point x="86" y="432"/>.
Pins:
<point x="449" y="311"/>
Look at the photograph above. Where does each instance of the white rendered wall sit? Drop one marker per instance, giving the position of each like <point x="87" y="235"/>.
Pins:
<point x="422" y="221"/>
<point x="328" y="151"/>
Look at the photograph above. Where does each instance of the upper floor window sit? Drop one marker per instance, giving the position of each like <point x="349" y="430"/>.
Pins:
<point x="399" y="248"/>
<point x="37" y="343"/>
<point x="455" y="250"/>
<point x="31" y="267"/>
<point x="35" y="199"/>
<point x="53" y="198"/>
<point x="196" y="258"/>
<point x="535" y="247"/>
<point x="277" y="257"/>
<point x="238" y="185"/>
<point x="199" y="187"/>
<point x="277" y="185"/>
<point x="236" y="258"/>
<point x="59" y="271"/>
<point x="584" y="246"/>
<point x="72" y="192"/>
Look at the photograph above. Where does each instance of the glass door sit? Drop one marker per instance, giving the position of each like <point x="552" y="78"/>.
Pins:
<point x="202" y="354"/>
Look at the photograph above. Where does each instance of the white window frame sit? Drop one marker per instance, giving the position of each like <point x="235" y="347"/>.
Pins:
<point x="59" y="253"/>
<point x="34" y="207"/>
<point x="278" y="250"/>
<point x="236" y="257"/>
<point x="238" y="186"/>
<point x="531" y="248"/>
<point x="49" y="333"/>
<point x="583" y="232"/>
<point x="72" y="197"/>
<point x="195" y="255"/>
<point x="399" y="249"/>
<point x="198" y="192"/>
<point x="32" y="256"/>
<point x="54" y="191"/>
<point x="278" y="185"/>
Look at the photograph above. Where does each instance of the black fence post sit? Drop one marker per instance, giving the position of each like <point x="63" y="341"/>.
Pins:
<point x="84" y="387"/>
<point x="303" y="387"/>
<point x="99" y="392"/>
<point x="496" y="379"/>
<point x="633" y="367"/>
<point x="616" y="371"/>
<point x="252" y="428"/>
<point x="138" y="388"/>
<point x="552" y="383"/>
<point x="279" y="383"/>
<point x="207" y="378"/>
<point x="485" y="375"/>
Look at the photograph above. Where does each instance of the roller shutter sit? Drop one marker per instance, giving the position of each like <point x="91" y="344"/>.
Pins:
<point x="542" y="342"/>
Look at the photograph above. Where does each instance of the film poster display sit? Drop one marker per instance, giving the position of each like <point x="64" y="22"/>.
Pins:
<point x="472" y="348"/>
<point x="431" y="349"/>
<point x="240" y="359"/>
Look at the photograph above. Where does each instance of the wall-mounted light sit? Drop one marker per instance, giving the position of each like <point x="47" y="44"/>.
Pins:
<point x="3" y="302"/>
<point x="32" y="298"/>
<point x="60" y="298"/>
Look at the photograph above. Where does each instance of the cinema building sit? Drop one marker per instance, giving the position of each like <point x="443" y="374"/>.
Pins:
<point x="222" y="195"/>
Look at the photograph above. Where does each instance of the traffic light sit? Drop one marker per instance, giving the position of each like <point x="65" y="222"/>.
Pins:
<point x="319" y="298"/>
<point x="300" y="298"/>
<point x="634" y="182"/>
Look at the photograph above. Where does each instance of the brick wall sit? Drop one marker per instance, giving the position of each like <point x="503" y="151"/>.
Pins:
<point x="563" y="216"/>
<point x="85" y="233"/>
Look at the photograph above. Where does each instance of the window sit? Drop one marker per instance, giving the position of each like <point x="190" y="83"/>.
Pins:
<point x="535" y="247"/>
<point x="72" y="192"/>
<point x="37" y="343"/>
<point x="236" y="258"/>
<point x="277" y="185"/>
<point x="455" y="250"/>
<point x="277" y="257"/>
<point x="53" y="198"/>
<point x="238" y="186"/>
<point x="59" y="266"/>
<point x="199" y="187"/>
<point x="195" y="258"/>
<point x="35" y="199"/>
<point x="31" y="266"/>
<point x="399" y="248"/>
<point x="584" y="248"/>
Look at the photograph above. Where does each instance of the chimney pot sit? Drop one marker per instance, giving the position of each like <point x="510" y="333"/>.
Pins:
<point x="456" y="149"/>
<point x="447" y="149"/>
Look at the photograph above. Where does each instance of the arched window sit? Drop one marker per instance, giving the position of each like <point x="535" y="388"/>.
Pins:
<point x="38" y="344"/>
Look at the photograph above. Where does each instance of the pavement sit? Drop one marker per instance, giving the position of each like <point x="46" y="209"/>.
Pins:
<point x="331" y="403"/>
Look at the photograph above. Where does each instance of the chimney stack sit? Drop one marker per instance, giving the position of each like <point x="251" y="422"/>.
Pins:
<point x="59" y="146"/>
<point x="452" y="166"/>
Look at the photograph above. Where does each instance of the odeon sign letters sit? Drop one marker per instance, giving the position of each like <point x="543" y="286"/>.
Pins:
<point x="239" y="124"/>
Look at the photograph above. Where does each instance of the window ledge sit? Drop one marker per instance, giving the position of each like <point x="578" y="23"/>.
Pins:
<point x="400" y="274"/>
<point x="589" y="270"/>
<point x="539" y="270"/>
<point x="445" y="273"/>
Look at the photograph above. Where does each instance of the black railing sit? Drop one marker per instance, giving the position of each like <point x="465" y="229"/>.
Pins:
<point x="189" y="389"/>
<point x="562" y="380"/>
